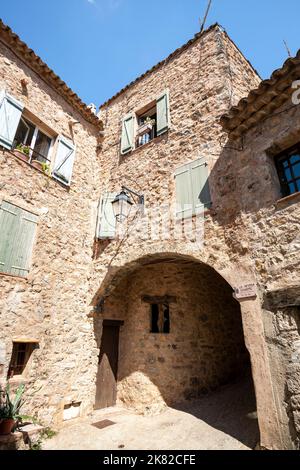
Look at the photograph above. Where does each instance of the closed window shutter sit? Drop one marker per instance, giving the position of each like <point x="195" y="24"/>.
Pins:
<point x="184" y="206"/>
<point x="10" y="115"/>
<point x="24" y="243"/>
<point x="9" y="227"/>
<point x="17" y="231"/>
<point x="192" y="189"/>
<point x="64" y="161"/>
<point x="163" y="113"/>
<point x="106" y="224"/>
<point x="127" y="140"/>
<point x="200" y="186"/>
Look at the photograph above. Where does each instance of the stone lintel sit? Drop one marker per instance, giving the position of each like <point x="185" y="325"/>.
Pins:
<point x="166" y="299"/>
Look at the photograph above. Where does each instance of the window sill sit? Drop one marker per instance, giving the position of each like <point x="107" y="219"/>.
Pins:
<point x="156" y="140"/>
<point x="287" y="199"/>
<point x="24" y="160"/>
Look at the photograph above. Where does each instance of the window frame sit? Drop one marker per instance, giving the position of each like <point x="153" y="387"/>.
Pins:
<point x="286" y="155"/>
<point x="29" y="347"/>
<point x="160" y="321"/>
<point x="37" y="129"/>
<point x="138" y="116"/>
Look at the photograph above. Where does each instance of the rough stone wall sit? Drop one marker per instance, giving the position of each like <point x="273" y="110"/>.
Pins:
<point x="283" y="334"/>
<point x="205" y="347"/>
<point x="273" y="224"/>
<point x="50" y="305"/>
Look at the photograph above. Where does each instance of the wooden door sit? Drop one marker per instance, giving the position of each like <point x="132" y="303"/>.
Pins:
<point x="106" y="391"/>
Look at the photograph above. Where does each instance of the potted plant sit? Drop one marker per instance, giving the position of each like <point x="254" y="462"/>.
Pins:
<point x="22" y="151"/>
<point x="10" y="409"/>
<point x="46" y="168"/>
<point x="146" y="126"/>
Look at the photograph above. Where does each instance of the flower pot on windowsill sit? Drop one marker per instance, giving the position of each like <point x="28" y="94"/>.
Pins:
<point x="21" y="155"/>
<point x="37" y="164"/>
<point x="144" y="129"/>
<point x="6" y="426"/>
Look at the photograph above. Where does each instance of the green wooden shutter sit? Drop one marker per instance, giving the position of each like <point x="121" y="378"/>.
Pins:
<point x="17" y="230"/>
<point x="200" y="185"/>
<point x="127" y="139"/>
<point x="10" y="115"/>
<point x="24" y="244"/>
<point x="192" y="189"/>
<point x="9" y="227"/>
<point x="163" y="113"/>
<point x="64" y="161"/>
<point x="184" y="199"/>
<point x="106" y="225"/>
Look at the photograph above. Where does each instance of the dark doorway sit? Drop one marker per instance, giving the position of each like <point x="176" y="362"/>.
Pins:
<point x="106" y="384"/>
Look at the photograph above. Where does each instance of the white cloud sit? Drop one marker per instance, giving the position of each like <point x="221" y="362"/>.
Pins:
<point x="92" y="2"/>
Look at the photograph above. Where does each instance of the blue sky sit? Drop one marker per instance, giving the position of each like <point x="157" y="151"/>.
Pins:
<point x="99" y="46"/>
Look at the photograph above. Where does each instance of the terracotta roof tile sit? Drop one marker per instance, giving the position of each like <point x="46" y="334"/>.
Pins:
<point x="269" y="95"/>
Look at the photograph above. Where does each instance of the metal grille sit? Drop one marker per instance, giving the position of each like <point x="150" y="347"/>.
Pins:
<point x="288" y="166"/>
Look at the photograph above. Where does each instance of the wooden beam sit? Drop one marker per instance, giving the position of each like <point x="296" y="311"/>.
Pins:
<point x="166" y="299"/>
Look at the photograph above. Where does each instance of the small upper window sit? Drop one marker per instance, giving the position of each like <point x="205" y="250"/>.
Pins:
<point x="146" y="130"/>
<point x="288" y="167"/>
<point x="139" y="128"/>
<point x="160" y="318"/>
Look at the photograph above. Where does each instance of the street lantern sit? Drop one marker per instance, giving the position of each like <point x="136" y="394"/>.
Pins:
<point x="122" y="203"/>
<point x="122" y="206"/>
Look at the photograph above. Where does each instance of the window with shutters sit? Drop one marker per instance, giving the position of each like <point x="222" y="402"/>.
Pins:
<point x="17" y="233"/>
<point x="192" y="189"/>
<point x="33" y="143"/>
<point x="141" y="127"/>
<point x="21" y="354"/>
<point x="160" y="318"/>
<point x="288" y="168"/>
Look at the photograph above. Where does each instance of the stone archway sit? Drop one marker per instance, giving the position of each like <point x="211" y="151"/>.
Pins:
<point x="205" y="348"/>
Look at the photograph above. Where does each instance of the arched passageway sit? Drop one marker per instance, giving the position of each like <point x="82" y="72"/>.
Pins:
<point x="178" y="338"/>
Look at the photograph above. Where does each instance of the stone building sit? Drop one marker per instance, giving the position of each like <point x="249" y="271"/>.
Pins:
<point x="139" y="310"/>
<point x="47" y="232"/>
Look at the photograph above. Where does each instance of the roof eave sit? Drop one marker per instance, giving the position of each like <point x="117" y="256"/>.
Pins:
<point x="263" y="100"/>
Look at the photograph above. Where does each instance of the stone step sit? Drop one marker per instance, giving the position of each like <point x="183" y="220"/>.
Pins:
<point x="21" y="439"/>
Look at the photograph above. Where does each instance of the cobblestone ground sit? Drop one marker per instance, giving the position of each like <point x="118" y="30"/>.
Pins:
<point x="224" y="420"/>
